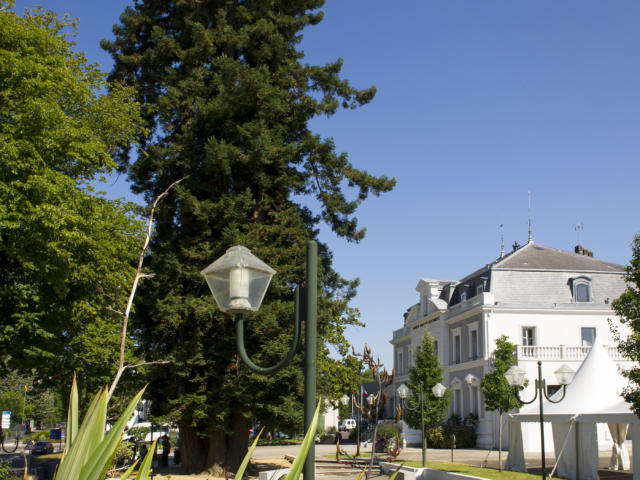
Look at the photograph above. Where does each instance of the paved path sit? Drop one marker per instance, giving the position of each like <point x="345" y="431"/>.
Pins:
<point x="470" y="456"/>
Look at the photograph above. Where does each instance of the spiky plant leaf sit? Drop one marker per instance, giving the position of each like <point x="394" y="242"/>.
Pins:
<point x="309" y="438"/>
<point x="247" y="457"/>
<point x="72" y="416"/>
<point x="143" y="472"/>
<point x="102" y="455"/>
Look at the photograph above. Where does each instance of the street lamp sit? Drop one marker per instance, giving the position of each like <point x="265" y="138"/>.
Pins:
<point x="515" y="378"/>
<point x="438" y="391"/>
<point x="238" y="281"/>
<point x="403" y="392"/>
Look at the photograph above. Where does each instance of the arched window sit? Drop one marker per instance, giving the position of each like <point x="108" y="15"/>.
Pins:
<point x="581" y="287"/>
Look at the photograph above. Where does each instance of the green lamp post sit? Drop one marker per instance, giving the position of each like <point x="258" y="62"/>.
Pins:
<point x="515" y="378"/>
<point x="238" y="281"/>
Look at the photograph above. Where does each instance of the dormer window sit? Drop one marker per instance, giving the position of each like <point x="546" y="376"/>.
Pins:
<point x="581" y="287"/>
<point x="582" y="293"/>
<point x="463" y="296"/>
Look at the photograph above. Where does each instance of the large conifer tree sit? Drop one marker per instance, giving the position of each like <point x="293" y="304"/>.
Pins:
<point x="228" y="99"/>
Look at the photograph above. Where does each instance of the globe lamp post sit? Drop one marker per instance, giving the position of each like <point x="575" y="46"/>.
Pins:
<point x="403" y="392"/>
<point x="238" y="281"/>
<point x="516" y="377"/>
<point x="438" y="391"/>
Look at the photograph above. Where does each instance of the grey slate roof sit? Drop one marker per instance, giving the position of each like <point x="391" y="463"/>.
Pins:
<point x="538" y="257"/>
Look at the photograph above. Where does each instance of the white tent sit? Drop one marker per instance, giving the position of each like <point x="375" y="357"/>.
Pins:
<point x="592" y="397"/>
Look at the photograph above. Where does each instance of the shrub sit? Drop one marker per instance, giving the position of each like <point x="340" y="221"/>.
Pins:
<point x="454" y="420"/>
<point x="440" y="436"/>
<point x="471" y="420"/>
<point x="331" y="431"/>
<point x="36" y="436"/>
<point x="5" y="471"/>
<point x="388" y="432"/>
<point x="139" y="434"/>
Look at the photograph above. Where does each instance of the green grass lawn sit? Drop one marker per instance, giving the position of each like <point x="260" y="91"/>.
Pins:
<point x="476" y="471"/>
<point x="279" y="441"/>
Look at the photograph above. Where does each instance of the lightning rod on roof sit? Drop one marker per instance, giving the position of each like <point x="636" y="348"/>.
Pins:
<point x="578" y="227"/>
<point x="530" y="222"/>
<point x="501" y="240"/>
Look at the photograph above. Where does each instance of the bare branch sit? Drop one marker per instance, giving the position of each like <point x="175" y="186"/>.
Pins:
<point x="110" y="297"/>
<point x="156" y="362"/>
<point x="134" y="287"/>
<point x="113" y="310"/>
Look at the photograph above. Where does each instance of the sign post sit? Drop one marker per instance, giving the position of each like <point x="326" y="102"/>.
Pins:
<point x="6" y="420"/>
<point x="56" y="434"/>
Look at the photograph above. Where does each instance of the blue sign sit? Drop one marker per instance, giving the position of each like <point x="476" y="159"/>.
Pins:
<point x="55" y="434"/>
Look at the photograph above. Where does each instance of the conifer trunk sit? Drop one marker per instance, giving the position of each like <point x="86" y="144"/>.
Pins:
<point x="215" y="452"/>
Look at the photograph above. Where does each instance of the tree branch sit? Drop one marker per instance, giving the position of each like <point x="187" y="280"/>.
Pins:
<point x="134" y="287"/>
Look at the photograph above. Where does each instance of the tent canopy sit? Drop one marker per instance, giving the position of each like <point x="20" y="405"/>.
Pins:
<point x="593" y="395"/>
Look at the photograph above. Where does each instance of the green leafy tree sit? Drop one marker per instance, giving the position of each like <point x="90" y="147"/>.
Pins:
<point x="66" y="254"/>
<point x="423" y="376"/>
<point x="498" y="395"/>
<point x="627" y="307"/>
<point x="227" y="100"/>
<point x="40" y="404"/>
<point x="47" y="408"/>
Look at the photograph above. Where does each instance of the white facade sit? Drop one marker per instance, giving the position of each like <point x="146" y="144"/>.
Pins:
<point x="548" y="302"/>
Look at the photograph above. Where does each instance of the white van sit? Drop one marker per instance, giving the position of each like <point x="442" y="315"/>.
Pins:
<point x="347" y="424"/>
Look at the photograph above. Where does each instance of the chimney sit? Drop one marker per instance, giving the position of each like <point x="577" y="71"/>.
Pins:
<point x="580" y="250"/>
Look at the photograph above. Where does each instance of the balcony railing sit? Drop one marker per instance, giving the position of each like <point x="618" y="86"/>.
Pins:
<point x="401" y="332"/>
<point x="562" y="352"/>
<point x="485" y="298"/>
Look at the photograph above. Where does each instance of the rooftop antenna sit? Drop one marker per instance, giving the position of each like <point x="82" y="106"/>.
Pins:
<point x="530" y="222"/>
<point x="578" y="227"/>
<point x="501" y="240"/>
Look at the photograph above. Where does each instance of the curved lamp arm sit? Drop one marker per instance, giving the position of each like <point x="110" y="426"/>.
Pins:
<point x="292" y="349"/>
<point x="564" y="392"/>
<point x="515" y="389"/>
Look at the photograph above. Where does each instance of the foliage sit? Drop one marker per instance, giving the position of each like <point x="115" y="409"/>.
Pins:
<point x="5" y="471"/>
<point x="454" y="419"/>
<point x="387" y="432"/>
<point x="331" y="430"/>
<point x="425" y="374"/>
<point x="440" y="436"/>
<point x="227" y="100"/>
<point x="13" y="401"/>
<point x="498" y="395"/>
<point x="139" y="434"/>
<point x="65" y="253"/>
<point x="122" y="455"/>
<point x="627" y="307"/>
<point x="471" y="420"/>
<point x="89" y="451"/>
<point x="40" y="404"/>
<point x="36" y="436"/>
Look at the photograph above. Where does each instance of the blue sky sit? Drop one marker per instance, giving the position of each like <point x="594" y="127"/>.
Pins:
<point x="479" y="102"/>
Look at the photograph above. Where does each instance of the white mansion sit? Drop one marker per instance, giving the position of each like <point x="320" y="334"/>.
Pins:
<point x="550" y="303"/>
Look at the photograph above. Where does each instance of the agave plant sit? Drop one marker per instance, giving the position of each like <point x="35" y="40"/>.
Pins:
<point x="298" y="463"/>
<point x="89" y="451"/>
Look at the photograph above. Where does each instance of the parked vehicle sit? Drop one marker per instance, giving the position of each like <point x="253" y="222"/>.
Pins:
<point x="42" y="447"/>
<point x="347" y="424"/>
